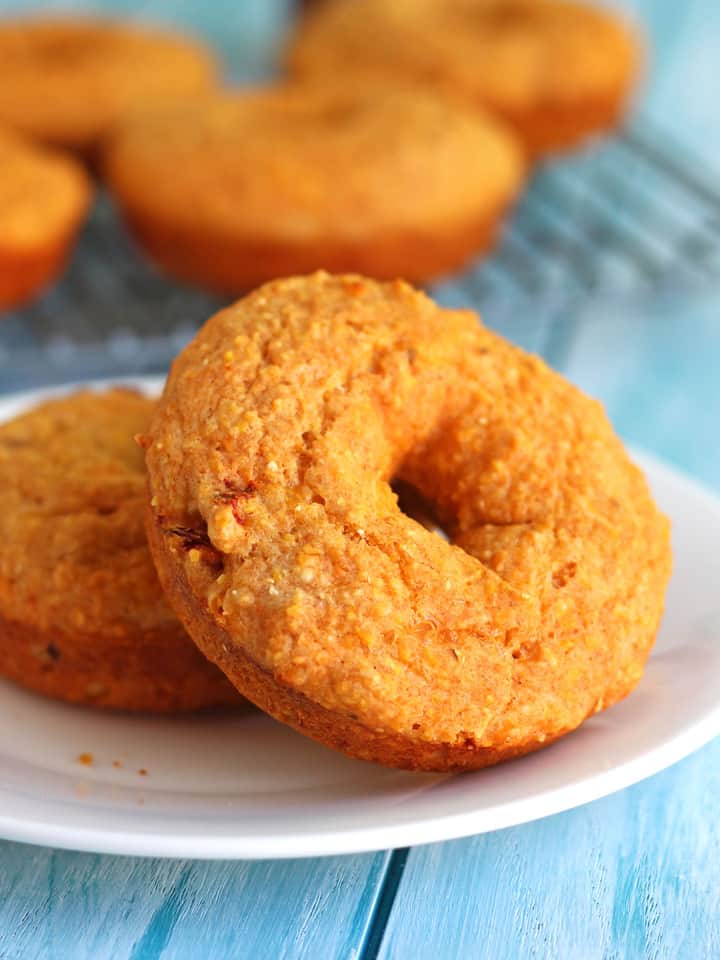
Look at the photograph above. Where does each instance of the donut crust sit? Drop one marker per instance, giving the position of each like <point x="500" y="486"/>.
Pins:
<point x="147" y="671"/>
<point x="280" y="544"/>
<point x="82" y="617"/>
<point x="292" y="179"/>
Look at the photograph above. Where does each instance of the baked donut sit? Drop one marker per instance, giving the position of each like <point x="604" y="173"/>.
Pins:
<point x="67" y="80"/>
<point x="556" y="70"/>
<point x="276" y="440"/>
<point x="44" y="197"/>
<point x="82" y="617"/>
<point x="243" y="188"/>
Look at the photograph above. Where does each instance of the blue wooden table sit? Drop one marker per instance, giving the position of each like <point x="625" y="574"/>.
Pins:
<point x="636" y="875"/>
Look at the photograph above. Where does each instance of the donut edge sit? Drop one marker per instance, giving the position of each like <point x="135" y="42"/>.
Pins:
<point x="233" y="263"/>
<point x="555" y="127"/>
<point x="25" y="275"/>
<point x="71" y="667"/>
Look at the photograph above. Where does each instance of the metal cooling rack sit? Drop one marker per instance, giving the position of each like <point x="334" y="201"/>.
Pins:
<point x="629" y="216"/>
<point x="633" y="216"/>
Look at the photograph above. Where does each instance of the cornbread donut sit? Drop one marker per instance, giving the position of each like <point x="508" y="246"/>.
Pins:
<point x="556" y="70"/>
<point x="44" y="197"/>
<point x="243" y="188"/>
<point x="82" y="617"/>
<point x="67" y="80"/>
<point x="275" y="442"/>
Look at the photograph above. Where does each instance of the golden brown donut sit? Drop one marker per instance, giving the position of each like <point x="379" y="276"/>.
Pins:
<point x="279" y="432"/>
<point x="245" y="187"/>
<point x="556" y="70"/>
<point x="82" y="616"/>
<point x="68" y="79"/>
<point x="44" y="197"/>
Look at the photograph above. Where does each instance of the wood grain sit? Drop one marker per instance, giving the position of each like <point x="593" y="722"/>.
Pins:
<point x="633" y="876"/>
<point x="56" y="905"/>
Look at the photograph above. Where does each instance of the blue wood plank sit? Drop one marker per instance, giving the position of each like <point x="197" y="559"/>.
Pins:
<point x="633" y="876"/>
<point x="56" y="905"/>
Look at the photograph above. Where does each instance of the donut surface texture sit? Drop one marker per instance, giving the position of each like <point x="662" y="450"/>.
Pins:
<point x="82" y="616"/>
<point x="243" y="188"/>
<point x="557" y="71"/>
<point x="275" y="442"/>
<point x="67" y="80"/>
<point x="44" y="197"/>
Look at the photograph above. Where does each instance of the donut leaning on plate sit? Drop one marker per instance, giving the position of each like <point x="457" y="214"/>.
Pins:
<point x="67" y="80"/>
<point x="557" y="71"/>
<point x="280" y="430"/>
<point x="82" y="616"/>
<point x="244" y="187"/>
<point x="44" y="197"/>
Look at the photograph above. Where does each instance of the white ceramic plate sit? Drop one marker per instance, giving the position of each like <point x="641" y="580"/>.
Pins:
<point x="219" y="786"/>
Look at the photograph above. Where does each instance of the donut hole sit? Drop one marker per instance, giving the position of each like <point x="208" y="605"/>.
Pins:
<point x="65" y="48"/>
<point x="416" y="506"/>
<point x="324" y="114"/>
<point x="340" y="114"/>
<point x="509" y="15"/>
<point x="329" y="115"/>
<point x="16" y="443"/>
<point x="506" y="18"/>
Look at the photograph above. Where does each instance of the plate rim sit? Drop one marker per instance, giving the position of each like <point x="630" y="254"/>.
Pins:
<point x="359" y="840"/>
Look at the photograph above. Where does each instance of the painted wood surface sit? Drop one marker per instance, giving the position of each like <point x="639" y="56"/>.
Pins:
<point x="636" y="875"/>
<point x="57" y="905"/>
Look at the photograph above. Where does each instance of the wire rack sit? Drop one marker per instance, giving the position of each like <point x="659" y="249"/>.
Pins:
<point x="632" y="217"/>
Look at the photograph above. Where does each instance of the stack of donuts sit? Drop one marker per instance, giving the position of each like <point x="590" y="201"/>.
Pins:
<point x="398" y="136"/>
<point x="242" y="539"/>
